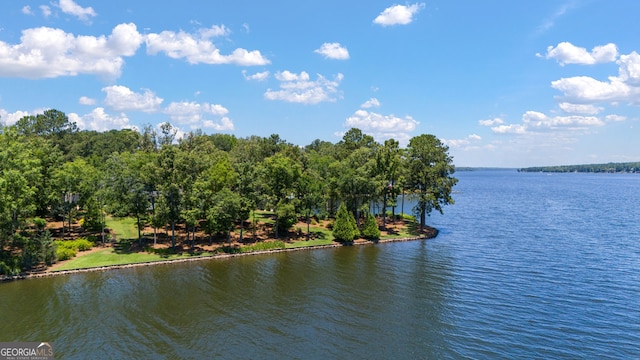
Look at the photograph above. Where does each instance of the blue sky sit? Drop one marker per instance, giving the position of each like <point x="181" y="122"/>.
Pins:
<point x="502" y="83"/>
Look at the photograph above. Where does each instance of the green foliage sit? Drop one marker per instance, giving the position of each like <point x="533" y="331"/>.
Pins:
<point x="344" y="228"/>
<point x="370" y="229"/>
<point x="287" y="217"/>
<point x="63" y="254"/>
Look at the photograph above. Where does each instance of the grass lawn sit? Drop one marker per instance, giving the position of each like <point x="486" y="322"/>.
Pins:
<point x="109" y="257"/>
<point x="125" y="228"/>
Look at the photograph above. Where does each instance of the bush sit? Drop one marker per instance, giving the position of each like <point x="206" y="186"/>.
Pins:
<point x="370" y="228"/>
<point x="82" y="244"/>
<point x="65" y="253"/>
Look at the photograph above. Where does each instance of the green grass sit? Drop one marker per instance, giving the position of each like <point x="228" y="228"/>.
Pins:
<point x="304" y="243"/>
<point x="108" y="257"/>
<point x="125" y="228"/>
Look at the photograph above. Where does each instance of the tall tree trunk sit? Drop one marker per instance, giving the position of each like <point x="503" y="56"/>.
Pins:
<point x="308" y="225"/>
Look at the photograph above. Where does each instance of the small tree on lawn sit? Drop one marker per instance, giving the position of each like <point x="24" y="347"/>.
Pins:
<point x="370" y="228"/>
<point x="344" y="228"/>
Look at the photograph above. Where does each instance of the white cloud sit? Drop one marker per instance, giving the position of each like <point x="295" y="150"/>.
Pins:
<point x="580" y="108"/>
<point x="333" y="51"/>
<point x="491" y="122"/>
<point x="373" y="102"/>
<point x="99" y="120"/>
<point x="48" y="53"/>
<point x="27" y="10"/>
<point x="382" y="127"/>
<point x="71" y="8"/>
<point x="8" y="119"/>
<point x="615" y="118"/>
<point x="259" y="76"/>
<point x="567" y="53"/>
<point x="121" y="98"/>
<point x="46" y="11"/>
<point x="458" y="143"/>
<point x="195" y="115"/>
<point x="534" y="120"/>
<point x="549" y="22"/>
<point x="298" y="88"/>
<point x="586" y="89"/>
<point x="197" y="48"/>
<point x="629" y="68"/>
<point x="537" y="122"/>
<point x="398" y="14"/>
<point x="214" y="31"/>
<point x="509" y="129"/>
<point x="86" y="101"/>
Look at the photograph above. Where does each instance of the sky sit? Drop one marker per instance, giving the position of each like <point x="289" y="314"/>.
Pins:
<point x="502" y="83"/>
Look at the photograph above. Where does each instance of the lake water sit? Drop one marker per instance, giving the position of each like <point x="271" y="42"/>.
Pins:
<point x="525" y="266"/>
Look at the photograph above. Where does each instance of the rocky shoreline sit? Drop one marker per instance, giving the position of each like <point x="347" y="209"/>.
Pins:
<point x="43" y="274"/>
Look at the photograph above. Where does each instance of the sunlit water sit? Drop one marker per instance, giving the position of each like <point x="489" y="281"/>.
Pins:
<point x="525" y="266"/>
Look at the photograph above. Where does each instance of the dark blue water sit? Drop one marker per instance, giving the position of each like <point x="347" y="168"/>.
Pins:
<point x="525" y="266"/>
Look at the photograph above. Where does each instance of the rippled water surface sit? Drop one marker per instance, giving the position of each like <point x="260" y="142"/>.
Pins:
<point x="525" y="266"/>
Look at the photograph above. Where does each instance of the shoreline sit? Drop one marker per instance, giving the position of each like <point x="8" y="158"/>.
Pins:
<point x="45" y="274"/>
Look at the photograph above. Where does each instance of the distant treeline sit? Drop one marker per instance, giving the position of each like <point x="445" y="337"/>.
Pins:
<point x="629" y="167"/>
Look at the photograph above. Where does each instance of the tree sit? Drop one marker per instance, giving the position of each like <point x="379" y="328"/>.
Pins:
<point x="344" y="228"/>
<point x="388" y="161"/>
<point x="370" y="229"/>
<point x="279" y="176"/>
<point x="429" y="174"/>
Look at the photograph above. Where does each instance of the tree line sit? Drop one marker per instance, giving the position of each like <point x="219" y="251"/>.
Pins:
<point x="211" y="183"/>
<point x="627" y="167"/>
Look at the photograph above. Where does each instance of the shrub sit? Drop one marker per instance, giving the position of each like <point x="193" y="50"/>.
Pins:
<point x="370" y="228"/>
<point x="65" y="253"/>
<point x="82" y="244"/>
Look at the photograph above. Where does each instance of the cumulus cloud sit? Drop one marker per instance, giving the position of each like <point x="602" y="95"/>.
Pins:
<point x="121" y="98"/>
<point x="259" y="76"/>
<point x="580" y="108"/>
<point x="71" y="8"/>
<point x="48" y="53"/>
<point x="398" y="14"/>
<point x="197" y="115"/>
<point x="537" y="122"/>
<point x="86" y="101"/>
<point x="373" y="102"/>
<point x="491" y="122"/>
<point x="465" y="142"/>
<point x="333" y="51"/>
<point x="629" y="68"/>
<point x="8" y="119"/>
<point x="299" y="88"/>
<point x="567" y="53"/>
<point x="198" y="49"/>
<point x="27" y="10"/>
<point x="587" y="89"/>
<point x="99" y="120"/>
<point x="509" y="129"/>
<point x="382" y="127"/>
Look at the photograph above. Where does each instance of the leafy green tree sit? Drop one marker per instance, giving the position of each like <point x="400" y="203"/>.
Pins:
<point x="279" y="176"/>
<point x="388" y="160"/>
<point x="344" y="228"/>
<point x="370" y="228"/>
<point x="429" y="174"/>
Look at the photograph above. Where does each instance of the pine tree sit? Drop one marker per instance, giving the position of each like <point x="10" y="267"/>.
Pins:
<point x="344" y="228"/>
<point x="370" y="228"/>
